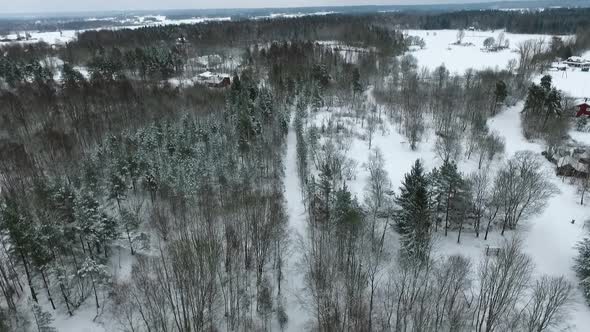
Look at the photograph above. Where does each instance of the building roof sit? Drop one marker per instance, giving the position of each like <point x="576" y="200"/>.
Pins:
<point x="576" y="59"/>
<point x="574" y="162"/>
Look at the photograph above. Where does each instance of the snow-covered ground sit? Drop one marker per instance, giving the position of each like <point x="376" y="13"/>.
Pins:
<point x="297" y="226"/>
<point x="458" y="58"/>
<point x="86" y="318"/>
<point x="52" y="37"/>
<point x="293" y="15"/>
<point x="572" y="81"/>
<point x="549" y="238"/>
<point x="64" y="36"/>
<point x="350" y="54"/>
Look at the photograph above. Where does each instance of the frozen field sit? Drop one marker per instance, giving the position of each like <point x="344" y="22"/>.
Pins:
<point x="57" y="37"/>
<point x="573" y="81"/>
<point x="458" y="58"/>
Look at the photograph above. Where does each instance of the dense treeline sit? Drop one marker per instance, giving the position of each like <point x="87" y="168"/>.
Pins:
<point x="547" y="21"/>
<point x="208" y="184"/>
<point x="352" y="30"/>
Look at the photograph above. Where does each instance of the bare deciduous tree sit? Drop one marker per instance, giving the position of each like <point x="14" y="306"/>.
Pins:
<point x="549" y="304"/>
<point x="503" y="281"/>
<point x="523" y="188"/>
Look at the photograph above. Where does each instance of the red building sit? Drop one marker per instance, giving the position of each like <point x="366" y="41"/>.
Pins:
<point x="583" y="109"/>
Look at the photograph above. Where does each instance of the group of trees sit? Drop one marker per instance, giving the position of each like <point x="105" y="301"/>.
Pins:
<point x="448" y="199"/>
<point x="357" y="279"/>
<point x="543" y="116"/>
<point x="496" y="44"/>
<point x="61" y="231"/>
<point x="458" y="104"/>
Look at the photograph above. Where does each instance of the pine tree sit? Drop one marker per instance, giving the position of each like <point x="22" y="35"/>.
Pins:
<point x="356" y="82"/>
<point x="317" y="99"/>
<point x="451" y="193"/>
<point x="546" y="82"/>
<point x="413" y="214"/>
<point x="552" y="105"/>
<point x="500" y="94"/>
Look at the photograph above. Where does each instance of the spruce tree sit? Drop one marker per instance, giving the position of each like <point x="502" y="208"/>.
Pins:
<point x="413" y="214"/>
<point x="357" y="87"/>
<point x="450" y="191"/>
<point x="500" y="94"/>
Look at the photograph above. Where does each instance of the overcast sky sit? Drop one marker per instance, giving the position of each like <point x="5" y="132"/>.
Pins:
<point x="37" y="6"/>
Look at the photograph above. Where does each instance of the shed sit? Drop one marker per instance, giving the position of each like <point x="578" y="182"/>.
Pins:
<point x="583" y="108"/>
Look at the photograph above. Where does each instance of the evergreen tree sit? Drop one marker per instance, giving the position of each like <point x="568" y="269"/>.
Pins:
<point x="347" y="216"/>
<point x="413" y="214"/>
<point x="317" y="99"/>
<point x="546" y="82"/>
<point x="552" y="105"/>
<point x="450" y="191"/>
<point x="357" y="87"/>
<point x="500" y="94"/>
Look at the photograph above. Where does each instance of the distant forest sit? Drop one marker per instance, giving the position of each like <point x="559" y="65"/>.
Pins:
<point x="547" y="21"/>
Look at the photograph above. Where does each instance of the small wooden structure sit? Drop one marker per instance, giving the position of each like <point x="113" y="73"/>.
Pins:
<point x="583" y="108"/>
<point x="576" y="62"/>
<point x="214" y="80"/>
<point x="492" y="251"/>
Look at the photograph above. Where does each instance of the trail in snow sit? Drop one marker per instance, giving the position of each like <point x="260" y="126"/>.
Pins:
<point x="296" y="210"/>
<point x="550" y="237"/>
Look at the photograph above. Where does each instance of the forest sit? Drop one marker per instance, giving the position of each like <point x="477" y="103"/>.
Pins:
<point x="141" y="202"/>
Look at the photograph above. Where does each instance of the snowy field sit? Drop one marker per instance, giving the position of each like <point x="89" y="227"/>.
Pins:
<point x="458" y="58"/>
<point x="573" y="81"/>
<point x="57" y="37"/>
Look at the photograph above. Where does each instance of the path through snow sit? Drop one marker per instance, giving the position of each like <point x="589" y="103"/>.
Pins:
<point x="297" y="224"/>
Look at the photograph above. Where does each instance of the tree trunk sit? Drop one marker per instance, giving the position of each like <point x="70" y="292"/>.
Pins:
<point x="66" y="300"/>
<point x="95" y="293"/>
<point x="47" y="288"/>
<point x="460" y="229"/>
<point x="29" y="280"/>
<point x="130" y="242"/>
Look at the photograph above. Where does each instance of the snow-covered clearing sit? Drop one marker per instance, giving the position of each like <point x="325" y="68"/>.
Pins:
<point x="350" y="54"/>
<point x="572" y="81"/>
<point x="458" y="58"/>
<point x="50" y="37"/>
<point x="549" y="238"/>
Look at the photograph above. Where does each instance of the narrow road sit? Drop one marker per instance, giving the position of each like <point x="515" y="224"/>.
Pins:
<point x="297" y="224"/>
